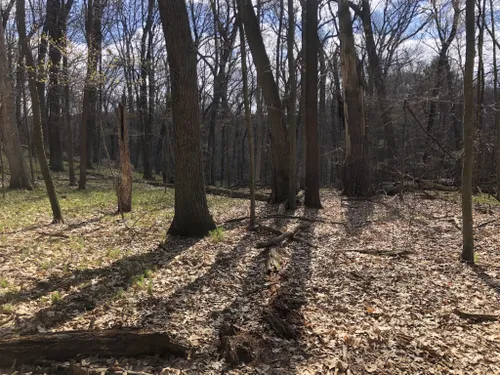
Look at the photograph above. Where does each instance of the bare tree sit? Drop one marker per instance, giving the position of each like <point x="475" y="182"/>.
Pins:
<point x="311" y="126"/>
<point x="37" y="117"/>
<point x="292" y="105"/>
<point x="191" y="210"/>
<point x="356" y="182"/>
<point x="467" y="231"/>
<point x="19" y="174"/>
<point x="278" y="132"/>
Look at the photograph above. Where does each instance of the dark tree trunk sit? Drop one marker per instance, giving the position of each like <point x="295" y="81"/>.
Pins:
<point x="312" y="152"/>
<point x="192" y="217"/>
<point x="124" y="186"/>
<point x="356" y="181"/>
<point x="278" y="131"/>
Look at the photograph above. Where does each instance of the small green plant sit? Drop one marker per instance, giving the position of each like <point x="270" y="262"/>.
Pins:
<point x="55" y="297"/>
<point x="119" y="293"/>
<point x="217" y="235"/>
<point x="6" y="308"/>
<point x="113" y="253"/>
<point x="3" y="283"/>
<point x="476" y="257"/>
<point x="150" y="287"/>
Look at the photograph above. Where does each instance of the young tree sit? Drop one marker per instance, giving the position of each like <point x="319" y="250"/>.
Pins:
<point x="191" y="210"/>
<point x="467" y="231"/>
<point x="311" y="126"/>
<point x="124" y="185"/>
<point x="356" y="182"/>
<point x="292" y="115"/>
<point x="19" y="174"/>
<point x="37" y="117"/>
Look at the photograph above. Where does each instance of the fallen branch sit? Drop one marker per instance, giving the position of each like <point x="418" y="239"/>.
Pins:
<point x="214" y="190"/>
<point x="395" y="252"/>
<point x="302" y="218"/>
<point x="476" y="317"/>
<point x="61" y="346"/>
<point x="487" y="222"/>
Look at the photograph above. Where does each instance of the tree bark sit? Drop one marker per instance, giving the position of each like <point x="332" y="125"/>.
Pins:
<point x="19" y="174"/>
<point x="192" y="217"/>
<point x="356" y="181"/>
<point x="248" y="122"/>
<point x="124" y="186"/>
<point x="497" y="101"/>
<point x="311" y="126"/>
<point x="292" y="115"/>
<point x="278" y="132"/>
<point x="467" y="225"/>
<point x="37" y="119"/>
<point x="61" y="346"/>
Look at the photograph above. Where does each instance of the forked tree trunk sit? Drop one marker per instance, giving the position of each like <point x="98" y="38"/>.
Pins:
<point x="278" y="132"/>
<point x="311" y="125"/>
<point x="467" y="231"/>
<point x="37" y="119"/>
<point x="356" y="181"/>
<point x="191" y="216"/>
<point x="19" y="175"/>
<point x="124" y="186"/>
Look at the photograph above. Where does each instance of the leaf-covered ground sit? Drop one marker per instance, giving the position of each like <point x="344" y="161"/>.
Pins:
<point x="382" y="292"/>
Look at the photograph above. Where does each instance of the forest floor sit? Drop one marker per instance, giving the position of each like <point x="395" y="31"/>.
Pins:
<point x="382" y="290"/>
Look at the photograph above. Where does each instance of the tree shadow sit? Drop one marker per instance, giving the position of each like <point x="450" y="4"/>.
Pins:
<point x="96" y="285"/>
<point x="357" y="215"/>
<point x="481" y="272"/>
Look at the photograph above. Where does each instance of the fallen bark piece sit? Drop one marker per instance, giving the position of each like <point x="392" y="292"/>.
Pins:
<point x="476" y="317"/>
<point x="394" y="252"/>
<point x="61" y="346"/>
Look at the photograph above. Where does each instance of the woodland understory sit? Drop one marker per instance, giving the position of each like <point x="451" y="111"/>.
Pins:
<point x="371" y="286"/>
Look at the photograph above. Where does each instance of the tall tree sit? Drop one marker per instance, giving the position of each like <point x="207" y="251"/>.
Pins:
<point x="37" y="116"/>
<point x="356" y="181"/>
<point x="93" y="32"/>
<point x="192" y="217"/>
<point x="467" y="231"/>
<point x="19" y="174"/>
<point x="497" y="98"/>
<point x="311" y="126"/>
<point x="278" y="132"/>
<point x="248" y="122"/>
<point x="292" y="115"/>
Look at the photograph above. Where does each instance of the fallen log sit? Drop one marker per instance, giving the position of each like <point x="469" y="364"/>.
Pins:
<point x="391" y="252"/>
<point x="214" y="190"/>
<point x="62" y="346"/>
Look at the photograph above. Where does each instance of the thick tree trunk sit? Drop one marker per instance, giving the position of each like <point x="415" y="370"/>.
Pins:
<point x="292" y="115"/>
<point x="311" y="126"/>
<point x="356" y="181"/>
<point x="124" y="186"/>
<point x="278" y="132"/>
<point x="497" y="101"/>
<point x="37" y="119"/>
<point x="19" y="174"/>
<point x="191" y="210"/>
<point x="467" y="231"/>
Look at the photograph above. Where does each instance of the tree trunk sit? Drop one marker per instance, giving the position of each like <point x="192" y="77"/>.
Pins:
<point x="497" y="102"/>
<point x="311" y="126"/>
<point x="37" y="119"/>
<point x="19" y="175"/>
<point x="356" y="181"/>
<point x="292" y="115"/>
<point x="67" y="114"/>
<point x="377" y="77"/>
<point x="124" y="186"/>
<point x="191" y="210"/>
<point x="248" y="122"/>
<point x="279" y="138"/>
<point x="467" y="231"/>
